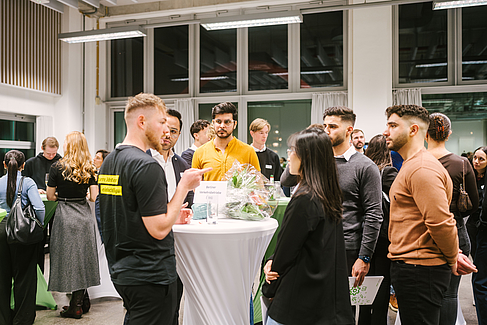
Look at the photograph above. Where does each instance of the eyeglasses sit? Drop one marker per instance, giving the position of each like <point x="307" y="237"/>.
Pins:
<point x="290" y="151"/>
<point x="226" y="122"/>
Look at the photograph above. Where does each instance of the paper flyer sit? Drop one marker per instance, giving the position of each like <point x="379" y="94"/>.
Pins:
<point x="364" y="294"/>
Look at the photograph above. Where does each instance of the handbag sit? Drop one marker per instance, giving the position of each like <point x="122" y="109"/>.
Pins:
<point x="463" y="204"/>
<point x="22" y="226"/>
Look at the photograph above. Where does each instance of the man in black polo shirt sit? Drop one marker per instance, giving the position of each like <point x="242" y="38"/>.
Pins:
<point x="137" y="219"/>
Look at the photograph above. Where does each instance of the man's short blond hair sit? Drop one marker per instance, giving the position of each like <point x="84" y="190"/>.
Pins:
<point x="50" y="142"/>
<point x="144" y="100"/>
<point x="258" y="124"/>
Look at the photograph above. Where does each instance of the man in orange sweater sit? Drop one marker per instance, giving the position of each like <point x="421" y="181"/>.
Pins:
<point x="424" y="241"/>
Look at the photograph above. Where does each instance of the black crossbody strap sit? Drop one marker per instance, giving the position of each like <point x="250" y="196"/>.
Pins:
<point x="19" y="191"/>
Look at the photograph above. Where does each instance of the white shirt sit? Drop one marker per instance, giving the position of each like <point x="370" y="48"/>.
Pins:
<point x="193" y="147"/>
<point x="259" y="150"/>
<point x="348" y="154"/>
<point x="168" y="170"/>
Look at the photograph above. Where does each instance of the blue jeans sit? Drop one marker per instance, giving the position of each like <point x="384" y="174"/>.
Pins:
<point x="479" y="279"/>
<point x="270" y="321"/>
<point x="419" y="291"/>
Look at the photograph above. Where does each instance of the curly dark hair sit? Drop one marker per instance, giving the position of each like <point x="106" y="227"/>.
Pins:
<point x="440" y="127"/>
<point x="409" y="111"/>
<point x="198" y="126"/>
<point x="345" y="113"/>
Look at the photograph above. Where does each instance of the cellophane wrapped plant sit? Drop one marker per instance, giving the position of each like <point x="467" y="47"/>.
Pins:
<point x="250" y="195"/>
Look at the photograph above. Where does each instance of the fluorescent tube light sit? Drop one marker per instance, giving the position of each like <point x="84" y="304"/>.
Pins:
<point x="458" y="4"/>
<point x="253" y="20"/>
<point x="432" y="65"/>
<point x="103" y="34"/>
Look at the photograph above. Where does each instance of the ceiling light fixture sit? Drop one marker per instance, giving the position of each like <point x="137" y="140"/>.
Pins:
<point x="103" y="34"/>
<point x="253" y="20"/>
<point x="458" y="4"/>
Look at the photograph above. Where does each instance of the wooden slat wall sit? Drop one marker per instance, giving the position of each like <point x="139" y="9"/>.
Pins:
<point x="30" y="53"/>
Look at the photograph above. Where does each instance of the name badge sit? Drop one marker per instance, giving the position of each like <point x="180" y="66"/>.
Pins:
<point x="268" y="166"/>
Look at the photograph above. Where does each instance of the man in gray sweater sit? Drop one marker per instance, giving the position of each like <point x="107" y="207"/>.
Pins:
<point x="361" y="186"/>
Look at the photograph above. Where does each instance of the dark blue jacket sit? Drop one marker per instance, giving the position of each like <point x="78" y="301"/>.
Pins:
<point x="179" y="166"/>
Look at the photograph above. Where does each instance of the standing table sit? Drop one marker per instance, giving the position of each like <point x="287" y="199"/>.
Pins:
<point x="217" y="265"/>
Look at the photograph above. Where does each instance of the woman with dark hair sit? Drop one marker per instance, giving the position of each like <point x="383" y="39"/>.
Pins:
<point x="307" y="275"/>
<point x="99" y="157"/>
<point x="461" y="173"/>
<point x="477" y="223"/>
<point x="74" y="256"/>
<point x="376" y="314"/>
<point x="479" y="163"/>
<point x="18" y="260"/>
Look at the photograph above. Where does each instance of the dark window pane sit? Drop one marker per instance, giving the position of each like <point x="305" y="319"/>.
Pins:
<point x="322" y="50"/>
<point x="171" y="60"/>
<point x="29" y="153"/>
<point x="119" y="127"/>
<point x="268" y="58"/>
<point x="474" y="43"/>
<point x="422" y="43"/>
<point x="471" y="106"/>
<point x="17" y="131"/>
<point x="205" y="114"/>
<point x="127" y="67"/>
<point x="218" y="60"/>
<point x="285" y="118"/>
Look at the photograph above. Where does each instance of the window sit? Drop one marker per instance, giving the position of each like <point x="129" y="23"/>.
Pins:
<point x="468" y="114"/>
<point x="127" y="67"/>
<point x="474" y="43"/>
<point x="119" y="127"/>
<point x="423" y="46"/>
<point x="285" y="118"/>
<point x="17" y="132"/>
<point x="322" y="50"/>
<point x="268" y="57"/>
<point x="218" y="60"/>
<point x="171" y="60"/>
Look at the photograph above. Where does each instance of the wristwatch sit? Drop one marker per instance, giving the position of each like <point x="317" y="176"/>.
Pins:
<point x="364" y="258"/>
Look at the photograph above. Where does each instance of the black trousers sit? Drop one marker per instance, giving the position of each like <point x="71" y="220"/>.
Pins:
<point x="377" y="313"/>
<point x="18" y="262"/>
<point x="151" y="304"/>
<point x="419" y="291"/>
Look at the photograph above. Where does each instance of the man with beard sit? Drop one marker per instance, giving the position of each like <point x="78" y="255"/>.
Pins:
<point x="136" y="218"/>
<point x="358" y="140"/>
<point x="221" y="153"/>
<point x="173" y="166"/>
<point x="361" y="186"/>
<point x="424" y="241"/>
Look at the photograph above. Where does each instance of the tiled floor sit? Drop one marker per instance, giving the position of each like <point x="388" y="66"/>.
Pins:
<point x="109" y="311"/>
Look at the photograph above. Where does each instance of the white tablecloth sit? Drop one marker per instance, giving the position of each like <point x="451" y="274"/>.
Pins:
<point x="217" y="265"/>
<point x="106" y="288"/>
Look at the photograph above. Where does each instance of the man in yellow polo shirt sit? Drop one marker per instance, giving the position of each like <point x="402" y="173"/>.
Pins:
<point x="221" y="152"/>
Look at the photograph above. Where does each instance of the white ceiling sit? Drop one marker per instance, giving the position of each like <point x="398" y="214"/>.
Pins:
<point x="125" y="2"/>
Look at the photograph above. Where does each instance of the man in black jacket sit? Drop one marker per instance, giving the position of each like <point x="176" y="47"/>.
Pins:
<point x="38" y="167"/>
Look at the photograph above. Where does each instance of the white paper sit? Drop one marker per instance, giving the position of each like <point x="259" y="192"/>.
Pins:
<point x="218" y="190"/>
<point x="364" y="294"/>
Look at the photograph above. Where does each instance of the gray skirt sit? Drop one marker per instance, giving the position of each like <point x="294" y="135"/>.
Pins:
<point x="73" y="251"/>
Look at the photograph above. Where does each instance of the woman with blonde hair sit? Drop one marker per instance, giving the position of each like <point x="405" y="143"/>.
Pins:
<point x="74" y="257"/>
